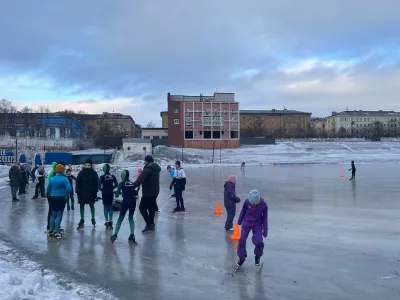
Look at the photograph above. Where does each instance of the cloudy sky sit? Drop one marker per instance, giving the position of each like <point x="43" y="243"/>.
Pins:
<point x="126" y="55"/>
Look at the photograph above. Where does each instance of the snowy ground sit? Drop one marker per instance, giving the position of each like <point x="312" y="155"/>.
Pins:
<point x="282" y="153"/>
<point x="328" y="239"/>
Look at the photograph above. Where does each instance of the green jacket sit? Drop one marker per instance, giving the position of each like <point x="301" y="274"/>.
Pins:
<point x="52" y="172"/>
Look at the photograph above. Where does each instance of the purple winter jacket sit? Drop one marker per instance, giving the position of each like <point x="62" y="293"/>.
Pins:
<point x="255" y="216"/>
<point x="230" y="198"/>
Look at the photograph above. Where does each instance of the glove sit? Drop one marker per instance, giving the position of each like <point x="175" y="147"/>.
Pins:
<point x="265" y="233"/>
<point x="170" y="187"/>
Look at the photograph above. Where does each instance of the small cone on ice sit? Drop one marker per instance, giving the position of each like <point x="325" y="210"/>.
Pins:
<point x="277" y="172"/>
<point x="236" y="233"/>
<point x="218" y="210"/>
<point x="341" y="176"/>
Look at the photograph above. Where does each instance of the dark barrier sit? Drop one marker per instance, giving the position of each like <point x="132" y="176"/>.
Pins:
<point x="159" y="142"/>
<point x="257" y="141"/>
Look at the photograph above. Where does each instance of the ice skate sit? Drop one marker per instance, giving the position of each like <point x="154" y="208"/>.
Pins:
<point x="72" y="207"/>
<point x="176" y="210"/>
<point x="81" y="224"/>
<point x="113" y="238"/>
<point x="131" y="239"/>
<point x="258" y="264"/>
<point x="93" y="222"/>
<point x="148" y="228"/>
<point x="239" y="263"/>
<point x="110" y="225"/>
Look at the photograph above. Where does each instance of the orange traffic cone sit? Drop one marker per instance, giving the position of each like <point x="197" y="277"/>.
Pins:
<point x="218" y="210"/>
<point x="341" y="176"/>
<point x="236" y="233"/>
<point x="277" y="172"/>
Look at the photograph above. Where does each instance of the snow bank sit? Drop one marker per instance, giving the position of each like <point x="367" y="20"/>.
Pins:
<point x="22" y="279"/>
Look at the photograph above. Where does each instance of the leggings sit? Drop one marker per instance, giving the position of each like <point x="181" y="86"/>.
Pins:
<point x="82" y="210"/>
<point x="124" y="208"/>
<point x="55" y="220"/>
<point x="108" y="212"/>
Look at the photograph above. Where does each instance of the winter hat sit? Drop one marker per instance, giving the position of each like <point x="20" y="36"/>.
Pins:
<point x="89" y="161"/>
<point x="178" y="163"/>
<point x="139" y="171"/>
<point x="254" y="197"/>
<point x="60" y="169"/>
<point x="149" y="159"/>
<point x="125" y="175"/>
<point x="106" y="168"/>
<point x="232" y="179"/>
<point x="169" y="167"/>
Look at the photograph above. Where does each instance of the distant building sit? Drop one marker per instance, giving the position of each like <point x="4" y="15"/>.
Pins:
<point x="164" y="118"/>
<point x="359" y="123"/>
<point x="318" y="126"/>
<point x="116" y="123"/>
<point x="137" y="146"/>
<point x="154" y="133"/>
<point x="275" y="123"/>
<point x="203" y="121"/>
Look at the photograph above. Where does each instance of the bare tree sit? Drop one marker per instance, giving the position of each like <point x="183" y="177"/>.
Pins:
<point x="151" y="124"/>
<point x="81" y="112"/>
<point x="7" y="107"/>
<point x="27" y="110"/>
<point x="43" y="110"/>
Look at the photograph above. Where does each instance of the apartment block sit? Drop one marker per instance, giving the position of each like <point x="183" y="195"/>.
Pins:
<point x="203" y="121"/>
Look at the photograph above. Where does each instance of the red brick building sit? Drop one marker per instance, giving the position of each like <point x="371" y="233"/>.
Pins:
<point x="203" y="121"/>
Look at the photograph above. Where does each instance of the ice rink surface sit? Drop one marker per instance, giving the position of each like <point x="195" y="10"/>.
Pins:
<point x="329" y="238"/>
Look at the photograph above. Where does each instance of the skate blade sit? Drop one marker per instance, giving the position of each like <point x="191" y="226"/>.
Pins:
<point x="259" y="268"/>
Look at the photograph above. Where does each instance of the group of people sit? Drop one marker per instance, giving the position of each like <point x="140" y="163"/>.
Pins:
<point x="19" y="177"/>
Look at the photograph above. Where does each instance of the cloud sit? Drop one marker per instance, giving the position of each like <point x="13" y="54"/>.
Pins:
<point x="308" y="54"/>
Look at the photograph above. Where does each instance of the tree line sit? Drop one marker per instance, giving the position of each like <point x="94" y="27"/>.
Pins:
<point x="6" y="106"/>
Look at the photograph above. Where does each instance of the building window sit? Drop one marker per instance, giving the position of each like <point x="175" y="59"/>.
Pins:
<point x="189" y="134"/>
<point x="188" y="124"/>
<point x="216" y="134"/>
<point x="176" y="110"/>
<point x="207" y="134"/>
<point x="234" y="134"/>
<point x="176" y="121"/>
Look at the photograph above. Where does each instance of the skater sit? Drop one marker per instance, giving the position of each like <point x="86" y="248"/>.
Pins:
<point x="129" y="197"/>
<point x="24" y="180"/>
<point x="150" y="181"/>
<point x="253" y="217"/>
<point x="58" y="190"/>
<point x="52" y="172"/>
<point x="107" y="184"/>
<point x="353" y="170"/>
<point x="230" y="200"/>
<point x="242" y="166"/>
<point x="33" y="173"/>
<point x="14" y="174"/>
<point x="86" y="188"/>
<point x="179" y="182"/>
<point x="40" y="174"/>
<point x="172" y="174"/>
<point x="71" y="198"/>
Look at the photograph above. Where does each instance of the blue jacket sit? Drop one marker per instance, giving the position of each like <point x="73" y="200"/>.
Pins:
<point x="128" y="190"/>
<point x="59" y="186"/>
<point x="172" y="173"/>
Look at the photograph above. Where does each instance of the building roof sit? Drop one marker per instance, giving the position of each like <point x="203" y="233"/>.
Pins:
<point x="272" y="111"/>
<point x="374" y="113"/>
<point x="149" y="128"/>
<point x="217" y="97"/>
<point x="136" y="140"/>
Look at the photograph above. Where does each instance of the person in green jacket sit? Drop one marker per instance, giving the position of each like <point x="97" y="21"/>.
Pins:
<point x="52" y="172"/>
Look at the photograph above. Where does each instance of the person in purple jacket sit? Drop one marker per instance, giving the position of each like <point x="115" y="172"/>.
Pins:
<point x="230" y="200"/>
<point x="253" y="217"/>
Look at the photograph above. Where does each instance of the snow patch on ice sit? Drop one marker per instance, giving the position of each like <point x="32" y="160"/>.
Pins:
<point x="23" y="279"/>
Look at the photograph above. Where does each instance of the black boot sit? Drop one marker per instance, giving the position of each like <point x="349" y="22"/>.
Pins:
<point x="257" y="260"/>
<point x="113" y="238"/>
<point x="81" y="224"/>
<point x="131" y="239"/>
<point x="240" y="262"/>
<point x="149" y="227"/>
<point x="93" y="222"/>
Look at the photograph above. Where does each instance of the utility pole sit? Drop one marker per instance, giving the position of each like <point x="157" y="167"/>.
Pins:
<point x="16" y="149"/>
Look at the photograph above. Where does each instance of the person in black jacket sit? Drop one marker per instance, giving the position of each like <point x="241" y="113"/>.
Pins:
<point x="15" y="180"/>
<point x="150" y="181"/>
<point x="86" y="189"/>
<point x="40" y="174"/>
<point x="24" y="177"/>
<point x="353" y="170"/>
<point x="107" y="184"/>
<point x="179" y="182"/>
<point x="33" y="173"/>
<point x="129" y="196"/>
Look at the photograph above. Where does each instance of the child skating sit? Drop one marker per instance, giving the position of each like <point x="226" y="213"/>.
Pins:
<point x="71" y="198"/>
<point x="353" y="170"/>
<point x="179" y="183"/>
<point x="58" y="190"/>
<point x="230" y="200"/>
<point x="129" y="197"/>
<point x="171" y="171"/>
<point x="253" y="217"/>
<point x="107" y="184"/>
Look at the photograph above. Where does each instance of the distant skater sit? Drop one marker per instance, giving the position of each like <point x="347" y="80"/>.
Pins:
<point x="40" y="175"/>
<point x="253" y="217"/>
<point x="353" y="170"/>
<point x="171" y="171"/>
<point x="230" y="200"/>
<point x="242" y="166"/>
<point x="70" y="178"/>
<point x="179" y="183"/>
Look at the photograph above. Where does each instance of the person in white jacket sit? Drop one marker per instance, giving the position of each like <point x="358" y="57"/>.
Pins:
<point x="40" y="177"/>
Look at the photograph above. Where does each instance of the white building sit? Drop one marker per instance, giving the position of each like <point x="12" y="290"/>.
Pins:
<point x="360" y="123"/>
<point x="136" y="146"/>
<point x="154" y="133"/>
